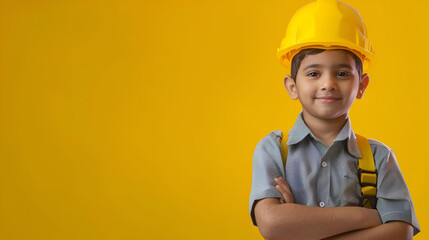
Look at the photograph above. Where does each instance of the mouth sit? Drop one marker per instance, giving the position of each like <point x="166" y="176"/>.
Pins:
<point x="328" y="99"/>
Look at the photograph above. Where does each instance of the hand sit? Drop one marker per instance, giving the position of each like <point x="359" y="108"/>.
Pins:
<point x="283" y="187"/>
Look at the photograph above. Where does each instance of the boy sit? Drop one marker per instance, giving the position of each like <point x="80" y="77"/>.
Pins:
<point x="318" y="195"/>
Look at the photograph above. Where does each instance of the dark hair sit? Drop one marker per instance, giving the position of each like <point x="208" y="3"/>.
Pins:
<point x="297" y="59"/>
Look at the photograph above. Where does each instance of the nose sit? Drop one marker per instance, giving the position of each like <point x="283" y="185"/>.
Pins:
<point x="329" y="83"/>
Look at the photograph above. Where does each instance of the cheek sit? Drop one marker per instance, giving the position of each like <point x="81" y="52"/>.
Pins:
<point x="351" y="87"/>
<point x="305" y="89"/>
<point x="352" y="92"/>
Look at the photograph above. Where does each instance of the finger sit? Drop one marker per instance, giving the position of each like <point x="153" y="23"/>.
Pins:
<point x="285" y="190"/>
<point x="282" y="180"/>
<point x="283" y="184"/>
<point x="287" y="195"/>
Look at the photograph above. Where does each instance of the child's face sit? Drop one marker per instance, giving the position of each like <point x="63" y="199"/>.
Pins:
<point x="327" y="84"/>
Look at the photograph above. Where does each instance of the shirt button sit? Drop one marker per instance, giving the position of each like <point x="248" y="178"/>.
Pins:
<point x="321" y="204"/>
<point x="324" y="164"/>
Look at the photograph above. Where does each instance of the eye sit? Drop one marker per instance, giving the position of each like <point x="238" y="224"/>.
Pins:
<point x="343" y="74"/>
<point x="312" y="74"/>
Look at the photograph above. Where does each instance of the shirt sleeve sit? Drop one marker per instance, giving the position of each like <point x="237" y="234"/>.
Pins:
<point x="394" y="199"/>
<point x="267" y="165"/>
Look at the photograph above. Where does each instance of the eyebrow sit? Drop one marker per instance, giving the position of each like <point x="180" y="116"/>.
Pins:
<point x="336" y="66"/>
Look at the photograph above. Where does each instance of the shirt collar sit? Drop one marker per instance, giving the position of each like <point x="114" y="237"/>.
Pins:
<point x="300" y="130"/>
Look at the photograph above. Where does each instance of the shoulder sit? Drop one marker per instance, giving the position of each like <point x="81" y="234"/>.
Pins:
<point x="378" y="146"/>
<point x="269" y="146"/>
<point x="382" y="153"/>
<point x="271" y="138"/>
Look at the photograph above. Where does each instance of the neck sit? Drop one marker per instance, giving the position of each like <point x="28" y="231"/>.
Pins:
<point x="325" y="129"/>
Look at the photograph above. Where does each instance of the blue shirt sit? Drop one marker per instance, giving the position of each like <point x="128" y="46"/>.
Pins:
<point x="328" y="176"/>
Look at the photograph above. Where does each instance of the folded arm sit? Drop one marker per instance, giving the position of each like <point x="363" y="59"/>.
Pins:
<point x="293" y="221"/>
<point x="394" y="230"/>
<point x="314" y="222"/>
<point x="283" y="219"/>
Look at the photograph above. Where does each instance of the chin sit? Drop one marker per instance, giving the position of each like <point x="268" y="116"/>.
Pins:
<point x="327" y="115"/>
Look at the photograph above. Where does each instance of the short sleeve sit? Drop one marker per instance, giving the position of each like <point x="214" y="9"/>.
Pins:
<point x="267" y="165"/>
<point x="394" y="199"/>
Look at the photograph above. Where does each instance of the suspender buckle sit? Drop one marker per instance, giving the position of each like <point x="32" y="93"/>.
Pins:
<point x="368" y="182"/>
<point x="367" y="178"/>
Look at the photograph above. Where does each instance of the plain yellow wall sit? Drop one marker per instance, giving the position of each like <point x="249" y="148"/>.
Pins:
<point x="138" y="119"/>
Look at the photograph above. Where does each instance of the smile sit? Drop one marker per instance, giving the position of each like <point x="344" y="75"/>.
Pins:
<point x="328" y="99"/>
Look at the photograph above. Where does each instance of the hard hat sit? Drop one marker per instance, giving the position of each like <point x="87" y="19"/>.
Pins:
<point x="326" y="24"/>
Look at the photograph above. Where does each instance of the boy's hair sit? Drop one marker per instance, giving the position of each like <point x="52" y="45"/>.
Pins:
<point x="297" y="59"/>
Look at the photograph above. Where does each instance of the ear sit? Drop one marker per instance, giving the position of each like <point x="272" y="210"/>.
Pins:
<point x="290" y="86"/>
<point x="362" y="85"/>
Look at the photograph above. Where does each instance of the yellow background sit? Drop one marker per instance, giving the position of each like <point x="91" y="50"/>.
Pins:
<point x="138" y="119"/>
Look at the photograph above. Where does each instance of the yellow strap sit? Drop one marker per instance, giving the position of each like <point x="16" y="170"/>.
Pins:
<point x="367" y="161"/>
<point x="283" y="143"/>
<point x="368" y="173"/>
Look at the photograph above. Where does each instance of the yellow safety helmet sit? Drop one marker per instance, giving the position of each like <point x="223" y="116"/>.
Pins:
<point x="326" y="24"/>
